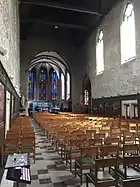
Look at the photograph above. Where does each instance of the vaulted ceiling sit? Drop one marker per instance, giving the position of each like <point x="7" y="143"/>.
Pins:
<point x="76" y="18"/>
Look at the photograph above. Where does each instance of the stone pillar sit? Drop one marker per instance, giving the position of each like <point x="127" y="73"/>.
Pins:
<point x="48" y="86"/>
<point x="35" y="85"/>
<point x="65" y="78"/>
<point x="59" y="90"/>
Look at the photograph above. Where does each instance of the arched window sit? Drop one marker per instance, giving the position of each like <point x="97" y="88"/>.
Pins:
<point x="62" y="86"/>
<point x="86" y="97"/>
<point x="68" y="86"/>
<point x="99" y="54"/>
<point x="31" y="77"/>
<point x="54" y="85"/>
<point x="43" y="84"/>
<point x="127" y="29"/>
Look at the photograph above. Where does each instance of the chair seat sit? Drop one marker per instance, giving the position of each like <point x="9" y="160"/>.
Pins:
<point x="85" y="163"/>
<point x="131" y="172"/>
<point x="102" y="176"/>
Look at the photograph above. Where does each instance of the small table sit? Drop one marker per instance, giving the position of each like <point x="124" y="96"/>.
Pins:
<point x="18" y="168"/>
<point x="17" y="160"/>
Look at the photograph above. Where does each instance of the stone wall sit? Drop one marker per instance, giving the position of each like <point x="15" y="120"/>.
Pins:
<point x="117" y="78"/>
<point x="9" y="38"/>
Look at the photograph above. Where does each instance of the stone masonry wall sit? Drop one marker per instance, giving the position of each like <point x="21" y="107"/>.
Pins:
<point x="117" y="78"/>
<point x="9" y="38"/>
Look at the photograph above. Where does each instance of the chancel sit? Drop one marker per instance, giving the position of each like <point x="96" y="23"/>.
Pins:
<point x="69" y="93"/>
<point x="48" y="80"/>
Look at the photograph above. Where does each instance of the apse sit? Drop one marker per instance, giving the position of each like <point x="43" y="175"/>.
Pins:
<point x="49" y="79"/>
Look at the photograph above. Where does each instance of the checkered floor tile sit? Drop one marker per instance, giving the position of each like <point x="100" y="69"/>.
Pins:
<point x="49" y="169"/>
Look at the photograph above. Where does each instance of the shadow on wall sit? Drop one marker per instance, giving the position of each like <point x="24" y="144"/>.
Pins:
<point x="78" y="108"/>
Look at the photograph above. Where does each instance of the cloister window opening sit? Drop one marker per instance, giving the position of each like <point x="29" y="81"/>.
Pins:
<point x="86" y="98"/>
<point x="54" y="85"/>
<point x="31" y="78"/>
<point x="43" y="84"/>
<point x="99" y="54"/>
<point x="127" y="31"/>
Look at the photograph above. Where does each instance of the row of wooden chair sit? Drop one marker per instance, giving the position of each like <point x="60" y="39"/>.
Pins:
<point x="20" y="138"/>
<point x="90" y="144"/>
<point x="113" y="171"/>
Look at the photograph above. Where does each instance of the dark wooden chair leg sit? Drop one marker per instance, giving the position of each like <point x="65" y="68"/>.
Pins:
<point x="75" y="169"/>
<point x="66" y="158"/>
<point x="86" y="181"/>
<point x="81" y="176"/>
<point x="70" y="163"/>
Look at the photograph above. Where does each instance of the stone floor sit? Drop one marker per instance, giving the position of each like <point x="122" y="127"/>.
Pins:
<point x="49" y="169"/>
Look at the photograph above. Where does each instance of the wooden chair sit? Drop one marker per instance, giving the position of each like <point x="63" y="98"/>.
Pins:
<point x="10" y="147"/>
<point x="124" y="126"/>
<point x="131" y="183"/>
<point x="59" y="139"/>
<point x="86" y="161"/>
<point x="138" y="127"/>
<point x="74" y="151"/>
<point x="130" y="149"/>
<point x="130" y="168"/>
<point x="101" y="178"/>
<point x="99" y="136"/>
<point x="133" y="127"/>
<point x="115" y="133"/>
<point x="27" y="144"/>
<point x="112" y="141"/>
<point x="90" y="133"/>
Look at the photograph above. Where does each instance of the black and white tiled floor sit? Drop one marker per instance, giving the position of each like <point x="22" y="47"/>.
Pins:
<point x="49" y="169"/>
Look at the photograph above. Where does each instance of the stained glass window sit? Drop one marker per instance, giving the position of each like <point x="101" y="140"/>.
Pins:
<point x="31" y="85"/>
<point x="54" y="85"/>
<point x="86" y="97"/>
<point x="62" y="86"/>
<point x="68" y="86"/>
<point x="128" y="38"/>
<point x="43" y="84"/>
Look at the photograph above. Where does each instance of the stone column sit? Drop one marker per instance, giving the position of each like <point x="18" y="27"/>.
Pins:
<point x="35" y="85"/>
<point x="65" y="78"/>
<point x="59" y="88"/>
<point x="48" y="86"/>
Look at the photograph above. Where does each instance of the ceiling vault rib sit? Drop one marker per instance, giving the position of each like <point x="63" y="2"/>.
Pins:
<point x="62" y="7"/>
<point x="71" y="26"/>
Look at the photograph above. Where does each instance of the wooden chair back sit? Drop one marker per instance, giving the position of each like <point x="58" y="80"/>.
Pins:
<point x="112" y="141"/>
<point x="89" y="152"/>
<point x="99" y="136"/>
<point x="105" y="162"/>
<point x="110" y="150"/>
<point x="130" y="149"/>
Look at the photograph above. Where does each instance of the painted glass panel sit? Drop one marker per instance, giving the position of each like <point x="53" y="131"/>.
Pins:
<point x="54" y="85"/>
<point x="43" y="84"/>
<point x="31" y="85"/>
